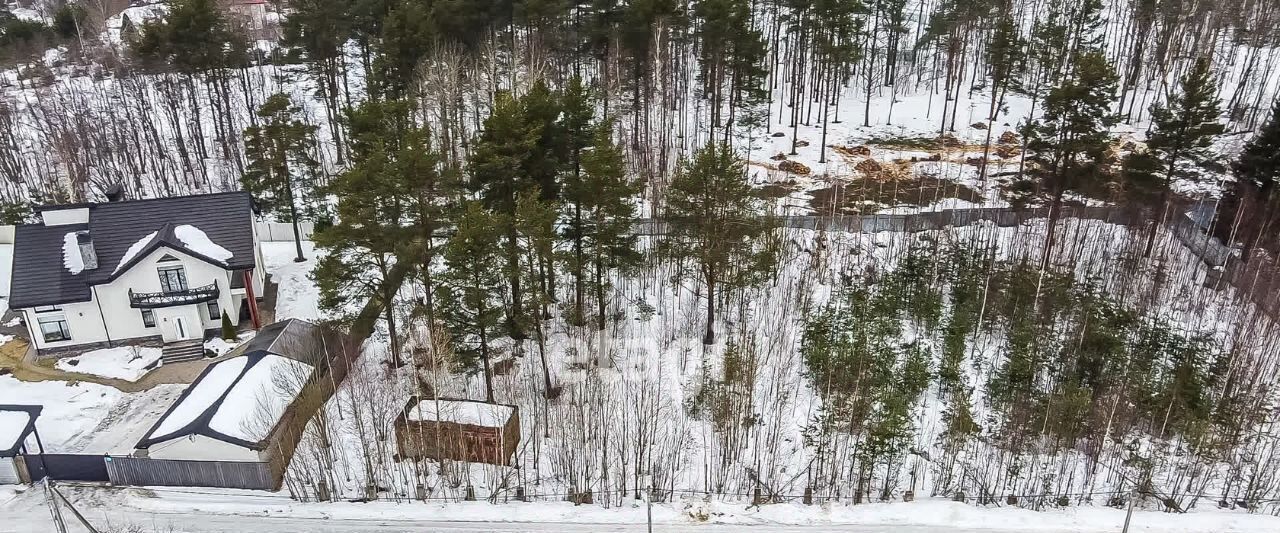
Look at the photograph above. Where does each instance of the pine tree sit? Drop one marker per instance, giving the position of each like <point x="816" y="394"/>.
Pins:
<point x="1257" y="172"/>
<point x="281" y="167"/>
<point x="731" y="56"/>
<point x="195" y="37"/>
<point x="535" y="222"/>
<point x="609" y="215"/>
<point x="1004" y="53"/>
<point x="498" y="174"/>
<point x="578" y="103"/>
<point x="228" y="330"/>
<point x="1182" y="136"/>
<point x="430" y="191"/>
<point x="313" y="34"/>
<point x="407" y="37"/>
<point x="369" y="233"/>
<point x="522" y="148"/>
<point x="718" y="223"/>
<point x="468" y="287"/>
<point x="1068" y="144"/>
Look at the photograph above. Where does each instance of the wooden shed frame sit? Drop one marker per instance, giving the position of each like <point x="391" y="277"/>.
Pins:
<point x="440" y="440"/>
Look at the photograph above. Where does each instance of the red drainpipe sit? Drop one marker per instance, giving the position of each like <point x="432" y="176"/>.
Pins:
<point x="253" y="299"/>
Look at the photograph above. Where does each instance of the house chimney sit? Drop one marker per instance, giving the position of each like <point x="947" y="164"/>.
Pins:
<point x="87" y="255"/>
<point x="115" y="192"/>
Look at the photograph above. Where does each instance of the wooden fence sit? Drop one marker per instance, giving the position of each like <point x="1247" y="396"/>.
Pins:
<point x="142" y="471"/>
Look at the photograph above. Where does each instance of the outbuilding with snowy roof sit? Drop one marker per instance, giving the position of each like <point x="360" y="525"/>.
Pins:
<point x="250" y="407"/>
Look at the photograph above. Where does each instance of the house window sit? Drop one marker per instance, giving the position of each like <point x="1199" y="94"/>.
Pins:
<point x="173" y="279"/>
<point x="148" y="318"/>
<point x="54" y="328"/>
<point x="214" y="312"/>
<point x="48" y="309"/>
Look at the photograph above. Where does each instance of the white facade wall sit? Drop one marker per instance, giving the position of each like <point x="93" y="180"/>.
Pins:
<point x="83" y="319"/>
<point x="201" y="448"/>
<point x="118" y="321"/>
<point x="144" y="276"/>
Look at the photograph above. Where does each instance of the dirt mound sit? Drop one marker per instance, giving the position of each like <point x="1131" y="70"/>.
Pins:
<point x="868" y="166"/>
<point x="1007" y="151"/>
<point x="794" y="167"/>
<point x="978" y="125"/>
<point x="1009" y="137"/>
<point x="852" y="151"/>
<point x="802" y="143"/>
<point x="779" y="157"/>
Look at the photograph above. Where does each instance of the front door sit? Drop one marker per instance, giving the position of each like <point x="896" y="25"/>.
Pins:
<point x="180" y="324"/>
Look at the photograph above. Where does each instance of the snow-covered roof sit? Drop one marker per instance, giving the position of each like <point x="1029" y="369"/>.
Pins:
<point x="203" y="394"/>
<point x="134" y="250"/>
<point x="197" y="241"/>
<point x="71" y="259"/>
<point x="16" y="422"/>
<point x="460" y="412"/>
<point x="241" y="399"/>
<point x="259" y="398"/>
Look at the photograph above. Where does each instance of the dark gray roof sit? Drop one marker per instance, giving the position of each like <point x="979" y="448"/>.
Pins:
<point x="293" y="338"/>
<point x="33" y="411"/>
<point x="39" y="277"/>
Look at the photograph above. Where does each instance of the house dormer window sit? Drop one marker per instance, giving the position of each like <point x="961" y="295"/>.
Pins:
<point x="172" y="278"/>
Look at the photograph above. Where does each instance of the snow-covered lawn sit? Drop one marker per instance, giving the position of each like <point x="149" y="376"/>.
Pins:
<point x="221" y="346"/>
<point x="71" y="411"/>
<point x="298" y="296"/>
<point x="124" y="362"/>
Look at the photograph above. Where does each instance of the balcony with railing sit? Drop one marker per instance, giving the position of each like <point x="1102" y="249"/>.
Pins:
<point x="194" y="295"/>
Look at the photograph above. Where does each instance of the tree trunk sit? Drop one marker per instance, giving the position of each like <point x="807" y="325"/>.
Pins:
<point x="710" y="337"/>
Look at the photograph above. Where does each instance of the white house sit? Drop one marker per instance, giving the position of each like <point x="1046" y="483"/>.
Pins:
<point x="150" y="271"/>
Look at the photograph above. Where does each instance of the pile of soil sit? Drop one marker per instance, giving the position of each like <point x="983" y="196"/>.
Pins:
<point x="794" y="167"/>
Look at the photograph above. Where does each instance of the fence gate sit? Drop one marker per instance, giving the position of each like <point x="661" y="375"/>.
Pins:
<point x="66" y="467"/>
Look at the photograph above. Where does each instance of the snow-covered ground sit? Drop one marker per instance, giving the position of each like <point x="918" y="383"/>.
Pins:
<point x="203" y="510"/>
<point x="298" y="296"/>
<point x="221" y="346"/>
<point x="632" y="387"/>
<point x="124" y="362"/>
<point x="71" y="410"/>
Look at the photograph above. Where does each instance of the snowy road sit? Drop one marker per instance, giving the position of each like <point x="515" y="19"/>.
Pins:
<point x="205" y="523"/>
